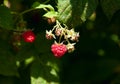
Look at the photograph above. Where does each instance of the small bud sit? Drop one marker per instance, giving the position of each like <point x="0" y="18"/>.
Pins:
<point x="72" y="35"/>
<point x="51" y="20"/>
<point x="58" y="31"/>
<point x="75" y="37"/>
<point x="70" y="47"/>
<point x="49" y="35"/>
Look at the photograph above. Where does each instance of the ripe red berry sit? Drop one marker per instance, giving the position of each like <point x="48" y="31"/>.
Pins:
<point x="28" y="36"/>
<point x="58" y="49"/>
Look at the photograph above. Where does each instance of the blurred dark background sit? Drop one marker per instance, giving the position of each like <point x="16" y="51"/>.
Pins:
<point x="96" y="59"/>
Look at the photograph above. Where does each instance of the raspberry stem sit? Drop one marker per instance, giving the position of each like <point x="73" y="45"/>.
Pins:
<point x="60" y="39"/>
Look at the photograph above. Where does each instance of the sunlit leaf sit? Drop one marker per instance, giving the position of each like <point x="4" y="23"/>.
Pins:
<point x="51" y="14"/>
<point x="64" y="10"/>
<point x="75" y="11"/>
<point x="43" y="72"/>
<point x="44" y="6"/>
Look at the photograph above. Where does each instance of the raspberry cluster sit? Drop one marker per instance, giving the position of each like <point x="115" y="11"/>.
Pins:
<point x="66" y="38"/>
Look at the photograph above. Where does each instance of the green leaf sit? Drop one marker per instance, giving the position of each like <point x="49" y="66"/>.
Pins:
<point x="40" y="6"/>
<point x="6" y="19"/>
<point x="51" y="14"/>
<point x="64" y="10"/>
<point x="110" y="7"/>
<point x="35" y="4"/>
<point x="75" y="11"/>
<point x="7" y="60"/>
<point x="44" y="70"/>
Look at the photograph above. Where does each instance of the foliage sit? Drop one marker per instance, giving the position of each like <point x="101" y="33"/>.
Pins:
<point x="5" y="18"/>
<point x="95" y="60"/>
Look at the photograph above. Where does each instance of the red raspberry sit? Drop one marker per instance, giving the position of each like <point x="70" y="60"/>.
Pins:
<point x="58" y="49"/>
<point x="28" y="36"/>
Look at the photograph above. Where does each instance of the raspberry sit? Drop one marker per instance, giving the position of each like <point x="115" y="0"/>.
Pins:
<point x="28" y="36"/>
<point x="58" y="49"/>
